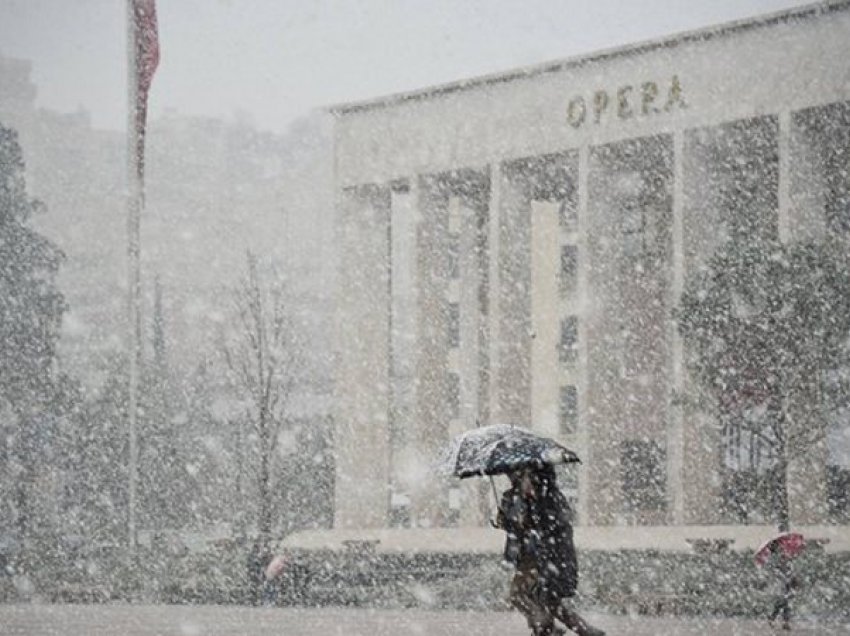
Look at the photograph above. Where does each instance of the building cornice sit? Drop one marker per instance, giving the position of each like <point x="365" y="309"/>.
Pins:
<point x="546" y="68"/>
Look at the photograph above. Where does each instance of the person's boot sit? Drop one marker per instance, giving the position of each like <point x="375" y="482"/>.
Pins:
<point x="582" y="628"/>
<point x="578" y="625"/>
<point x="549" y="630"/>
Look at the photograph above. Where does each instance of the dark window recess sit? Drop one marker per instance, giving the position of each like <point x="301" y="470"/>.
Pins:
<point x="739" y="177"/>
<point x="746" y="495"/>
<point x="568" y="215"/>
<point x="568" y="410"/>
<point x="643" y="475"/>
<point x="569" y="267"/>
<point x="454" y="325"/>
<point x="453" y="255"/>
<point x="452" y="518"/>
<point x="827" y="129"/>
<point x="453" y="394"/>
<point x="634" y="229"/>
<point x="568" y="345"/>
<point x="838" y="493"/>
<point x="400" y="516"/>
<point x="454" y="502"/>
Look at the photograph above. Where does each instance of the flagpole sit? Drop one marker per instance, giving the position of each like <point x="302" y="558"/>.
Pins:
<point x="134" y="208"/>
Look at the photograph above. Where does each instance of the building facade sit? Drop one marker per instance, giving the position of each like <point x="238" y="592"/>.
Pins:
<point x="512" y="249"/>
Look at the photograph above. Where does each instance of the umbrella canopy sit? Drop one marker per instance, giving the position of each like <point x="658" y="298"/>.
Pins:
<point x="501" y="449"/>
<point x="788" y="544"/>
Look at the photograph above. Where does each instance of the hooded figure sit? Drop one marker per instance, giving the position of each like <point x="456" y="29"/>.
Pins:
<point x="538" y="522"/>
<point x="787" y="584"/>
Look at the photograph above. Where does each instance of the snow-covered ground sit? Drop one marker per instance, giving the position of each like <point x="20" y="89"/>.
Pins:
<point x="171" y="620"/>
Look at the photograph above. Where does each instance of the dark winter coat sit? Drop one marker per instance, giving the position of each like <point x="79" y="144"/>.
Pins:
<point x="540" y="536"/>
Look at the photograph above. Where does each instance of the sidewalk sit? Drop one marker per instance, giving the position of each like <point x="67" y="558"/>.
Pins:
<point x="177" y="620"/>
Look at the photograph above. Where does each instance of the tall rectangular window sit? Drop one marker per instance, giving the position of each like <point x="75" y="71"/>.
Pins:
<point x="820" y="179"/>
<point x="568" y="343"/>
<point x="453" y="254"/>
<point x="453" y="394"/>
<point x="569" y="268"/>
<point x="732" y="187"/>
<point x="633" y="227"/>
<point x="838" y="493"/>
<point x="454" y="325"/>
<point x="568" y="212"/>
<point x="568" y="410"/>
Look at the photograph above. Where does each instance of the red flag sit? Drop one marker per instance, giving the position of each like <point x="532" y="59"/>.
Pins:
<point x="146" y="38"/>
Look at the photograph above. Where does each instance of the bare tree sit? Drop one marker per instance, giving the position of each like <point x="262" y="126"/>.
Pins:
<point x="261" y="350"/>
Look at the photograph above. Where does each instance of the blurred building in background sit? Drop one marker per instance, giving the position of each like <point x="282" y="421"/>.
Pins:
<point x="214" y="189"/>
<point x="512" y="248"/>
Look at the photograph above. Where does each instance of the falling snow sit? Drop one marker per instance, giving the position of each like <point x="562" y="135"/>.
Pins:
<point x="571" y="339"/>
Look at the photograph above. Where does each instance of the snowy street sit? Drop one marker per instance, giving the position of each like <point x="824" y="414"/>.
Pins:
<point x="171" y="620"/>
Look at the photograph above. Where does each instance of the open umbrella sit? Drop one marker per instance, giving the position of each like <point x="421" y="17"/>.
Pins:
<point x="499" y="449"/>
<point x="788" y="544"/>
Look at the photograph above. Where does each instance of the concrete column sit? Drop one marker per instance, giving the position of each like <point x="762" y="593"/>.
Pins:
<point x="701" y="235"/>
<point x="514" y="376"/>
<point x="807" y="487"/>
<point x="811" y="139"/>
<point x="406" y="465"/>
<point x="675" y="438"/>
<point x="784" y="176"/>
<point x="604" y="312"/>
<point x="807" y="478"/>
<point x="472" y="511"/>
<point x="429" y="500"/>
<point x="583" y="448"/>
<point x="497" y="181"/>
<point x="604" y="315"/>
<point x="545" y="323"/>
<point x="362" y="381"/>
<point x="804" y="187"/>
<point x="629" y="347"/>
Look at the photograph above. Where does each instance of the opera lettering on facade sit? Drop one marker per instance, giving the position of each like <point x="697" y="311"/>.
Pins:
<point x="626" y="102"/>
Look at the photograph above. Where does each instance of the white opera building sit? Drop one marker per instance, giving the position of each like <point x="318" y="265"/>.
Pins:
<point x="512" y="248"/>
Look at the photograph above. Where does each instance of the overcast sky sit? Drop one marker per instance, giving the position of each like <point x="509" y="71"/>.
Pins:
<point x="274" y="60"/>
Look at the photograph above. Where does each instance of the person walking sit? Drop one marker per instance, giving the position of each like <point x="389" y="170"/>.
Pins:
<point x="538" y="522"/>
<point x="787" y="585"/>
<point x="776" y="554"/>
